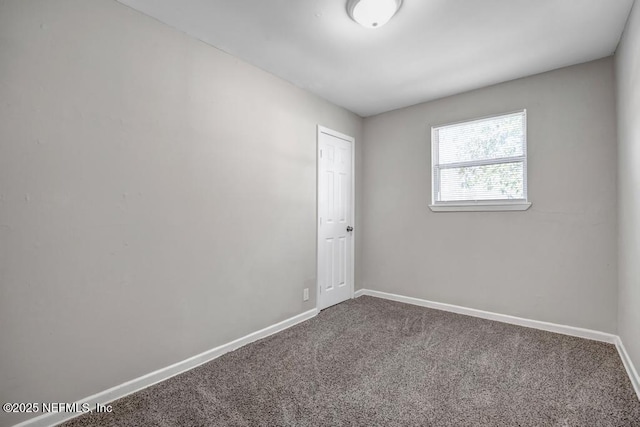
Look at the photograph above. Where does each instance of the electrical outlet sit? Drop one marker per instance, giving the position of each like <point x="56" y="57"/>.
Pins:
<point x="305" y="294"/>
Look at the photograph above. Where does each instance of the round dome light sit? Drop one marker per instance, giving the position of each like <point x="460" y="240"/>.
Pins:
<point x="372" y="13"/>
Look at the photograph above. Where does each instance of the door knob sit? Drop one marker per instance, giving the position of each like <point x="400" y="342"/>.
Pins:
<point x="349" y="228"/>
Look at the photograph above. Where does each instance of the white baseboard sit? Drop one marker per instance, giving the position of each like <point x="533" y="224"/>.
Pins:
<point x="529" y="323"/>
<point x="122" y="390"/>
<point x="536" y="324"/>
<point x="155" y="377"/>
<point x="628" y="365"/>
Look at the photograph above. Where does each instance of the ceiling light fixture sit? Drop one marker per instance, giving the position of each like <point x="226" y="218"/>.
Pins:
<point x="372" y="13"/>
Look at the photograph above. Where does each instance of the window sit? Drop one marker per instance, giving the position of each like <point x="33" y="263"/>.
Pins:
<point x="480" y="165"/>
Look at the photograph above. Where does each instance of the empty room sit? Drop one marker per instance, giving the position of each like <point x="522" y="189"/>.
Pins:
<point x="319" y="213"/>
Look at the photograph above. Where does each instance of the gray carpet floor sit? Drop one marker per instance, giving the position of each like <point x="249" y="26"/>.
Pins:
<point x="372" y="362"/>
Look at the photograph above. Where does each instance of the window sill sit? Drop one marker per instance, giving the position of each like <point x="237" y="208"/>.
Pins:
<point x="480" y="207"/>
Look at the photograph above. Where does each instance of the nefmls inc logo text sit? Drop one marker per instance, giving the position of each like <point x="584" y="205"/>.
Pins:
<point x="75" y="407"/>
<point x="54" y="407"/>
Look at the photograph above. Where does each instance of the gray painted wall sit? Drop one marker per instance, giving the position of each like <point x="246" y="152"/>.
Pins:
<point x="555" y="262"/>
<point x="157" y="197"/>
<point x="628" y="91"/>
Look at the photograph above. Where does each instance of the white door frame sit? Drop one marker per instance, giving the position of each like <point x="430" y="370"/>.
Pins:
<point x="351" y="273"/>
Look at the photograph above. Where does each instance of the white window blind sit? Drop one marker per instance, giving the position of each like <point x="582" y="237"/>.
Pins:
<point x="482" y="160"/>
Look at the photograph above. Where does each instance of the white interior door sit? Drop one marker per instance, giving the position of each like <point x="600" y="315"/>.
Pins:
<point x="335" y="217"/>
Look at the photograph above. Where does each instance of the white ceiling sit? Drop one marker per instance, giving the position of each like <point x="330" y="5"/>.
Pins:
<point x="430" y="49"/>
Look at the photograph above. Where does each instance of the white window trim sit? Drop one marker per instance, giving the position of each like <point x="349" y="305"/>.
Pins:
<point x="479" y="205"/>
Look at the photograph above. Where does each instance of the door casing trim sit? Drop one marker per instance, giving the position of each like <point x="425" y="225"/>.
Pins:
<point x="352" y="270"/>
